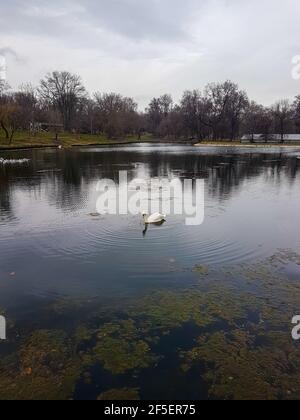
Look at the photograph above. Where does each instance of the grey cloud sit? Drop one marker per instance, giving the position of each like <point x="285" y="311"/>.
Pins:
<point x="135" y="19"/>
<point x="151" y="19"/>
<point x="145" y="47"/>
<point x="9" y="51"/>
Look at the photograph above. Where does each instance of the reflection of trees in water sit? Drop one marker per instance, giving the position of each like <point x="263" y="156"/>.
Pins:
<point x="69" y="188"/>
<point x="6" y="207"/>
<point x="68" y="175"/>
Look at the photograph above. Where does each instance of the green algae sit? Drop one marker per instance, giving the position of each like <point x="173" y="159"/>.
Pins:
<point x="168" y="310"/>
<point x="120" y="348"/>
<point x="201" y="270"/>
<point x="238" y="369"/>
<point x="44" y="368"/>
<point x="125" y="394"/>
<point x="82" y="335"/>
<point x="245" y="345"/>
<point x="255" y="358"/>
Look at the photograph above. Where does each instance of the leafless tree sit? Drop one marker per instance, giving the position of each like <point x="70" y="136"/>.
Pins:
<point x="10" y="118"/>
<point x="190" y="108"/>
<point x="296" y="112"/>
<point x="236" y="108"/>
<point x="63" y="91"/>
<point x="265" y="124"/>
<point x="158" y="112"/>
<point x="252" y="120"/>
<point x="27" y="101"/>
<point x="225" y="105"/>
<point x="282" y="113"/>
<point x="115" y="114"/>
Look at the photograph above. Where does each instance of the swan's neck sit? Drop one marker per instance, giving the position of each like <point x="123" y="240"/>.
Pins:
<point x="145" y="217"/>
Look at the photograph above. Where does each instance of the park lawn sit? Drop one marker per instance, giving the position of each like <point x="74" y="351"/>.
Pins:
<point x="24" y="140"/>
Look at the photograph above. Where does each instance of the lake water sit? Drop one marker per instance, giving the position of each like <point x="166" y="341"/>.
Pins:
<point x="142" y="314"/>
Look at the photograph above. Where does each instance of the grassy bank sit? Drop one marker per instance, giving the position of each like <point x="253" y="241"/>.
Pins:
<point x="24" y="140"/>
<point x="239" y="144"/>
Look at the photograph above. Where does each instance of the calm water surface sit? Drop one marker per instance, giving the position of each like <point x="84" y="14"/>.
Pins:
<point x="51" y="248"/>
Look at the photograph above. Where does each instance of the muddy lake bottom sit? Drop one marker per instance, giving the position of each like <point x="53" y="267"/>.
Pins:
<point x="96" y="309"/>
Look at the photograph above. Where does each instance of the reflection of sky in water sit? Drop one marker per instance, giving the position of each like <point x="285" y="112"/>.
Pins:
<point x="56" y="248"/>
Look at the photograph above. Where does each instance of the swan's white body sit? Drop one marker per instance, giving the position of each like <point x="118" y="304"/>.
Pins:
<point x="154" y="218"/>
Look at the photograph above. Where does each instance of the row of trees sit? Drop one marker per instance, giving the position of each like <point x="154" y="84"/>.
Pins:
<point x="221" y="111"/>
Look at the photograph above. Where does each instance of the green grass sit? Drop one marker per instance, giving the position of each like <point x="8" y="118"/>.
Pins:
<point x="22" y="139"/>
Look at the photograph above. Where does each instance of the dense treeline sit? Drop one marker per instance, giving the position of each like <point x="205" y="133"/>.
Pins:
<point x="221" y="111"/>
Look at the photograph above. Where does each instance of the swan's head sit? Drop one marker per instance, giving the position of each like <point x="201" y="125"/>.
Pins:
<point x="144" y="213"/>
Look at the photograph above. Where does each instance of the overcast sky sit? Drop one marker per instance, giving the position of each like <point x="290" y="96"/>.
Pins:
<point x="144" y="48"/>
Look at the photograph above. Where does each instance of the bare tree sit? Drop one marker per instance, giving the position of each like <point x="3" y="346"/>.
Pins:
<point x="251" y="120"/>
<point x="158" y="112"/>
<point x="236" y="108"/>
<point x="26" y="99"/>
<point x="282" y="113"/>
<point x="115" y="114"/>
<point x="10" y="118"/>
<point x="63" y="91"/>
<point x="225" y="104"/>
<point x="296" y="113"/>
<point x="265" y="124"/>
<point x="190" y="107"/>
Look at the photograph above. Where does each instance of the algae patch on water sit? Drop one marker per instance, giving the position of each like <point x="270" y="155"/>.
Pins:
<point x="239" y="369"/>
<point x="120" y="348"/>
<point x="125" y="394"/>
<point x="44" y="368"/>
<point x="202" y="270"/>
<point x="255" y="358"/>
<point x="165" y="311"/>
<point x="231" y="333"/>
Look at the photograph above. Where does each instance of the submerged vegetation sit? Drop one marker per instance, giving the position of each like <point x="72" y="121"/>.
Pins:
<point x="120" y="348"/>
<point x="247" y="364"/>
<point x="239" y="345"/>
<point x="44" y="367"/>
<point x="124" y="394"/>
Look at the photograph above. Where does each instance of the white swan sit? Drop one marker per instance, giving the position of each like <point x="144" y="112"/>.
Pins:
<point x="154" y="218"/>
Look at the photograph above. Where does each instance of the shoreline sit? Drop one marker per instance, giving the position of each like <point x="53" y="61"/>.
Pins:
<point x="118" y="143"/>
<point x="248" y="145"/>
<point x="4" y="148"/>
<point x="111" y="143"/>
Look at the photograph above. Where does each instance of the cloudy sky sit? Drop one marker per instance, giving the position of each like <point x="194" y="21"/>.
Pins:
<point x="144" y="48"/>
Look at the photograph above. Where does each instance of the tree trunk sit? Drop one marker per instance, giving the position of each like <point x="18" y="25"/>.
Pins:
<point x="282" y="133"/>
<point x="11" y="136"/>
<point x="5" y="130"/>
